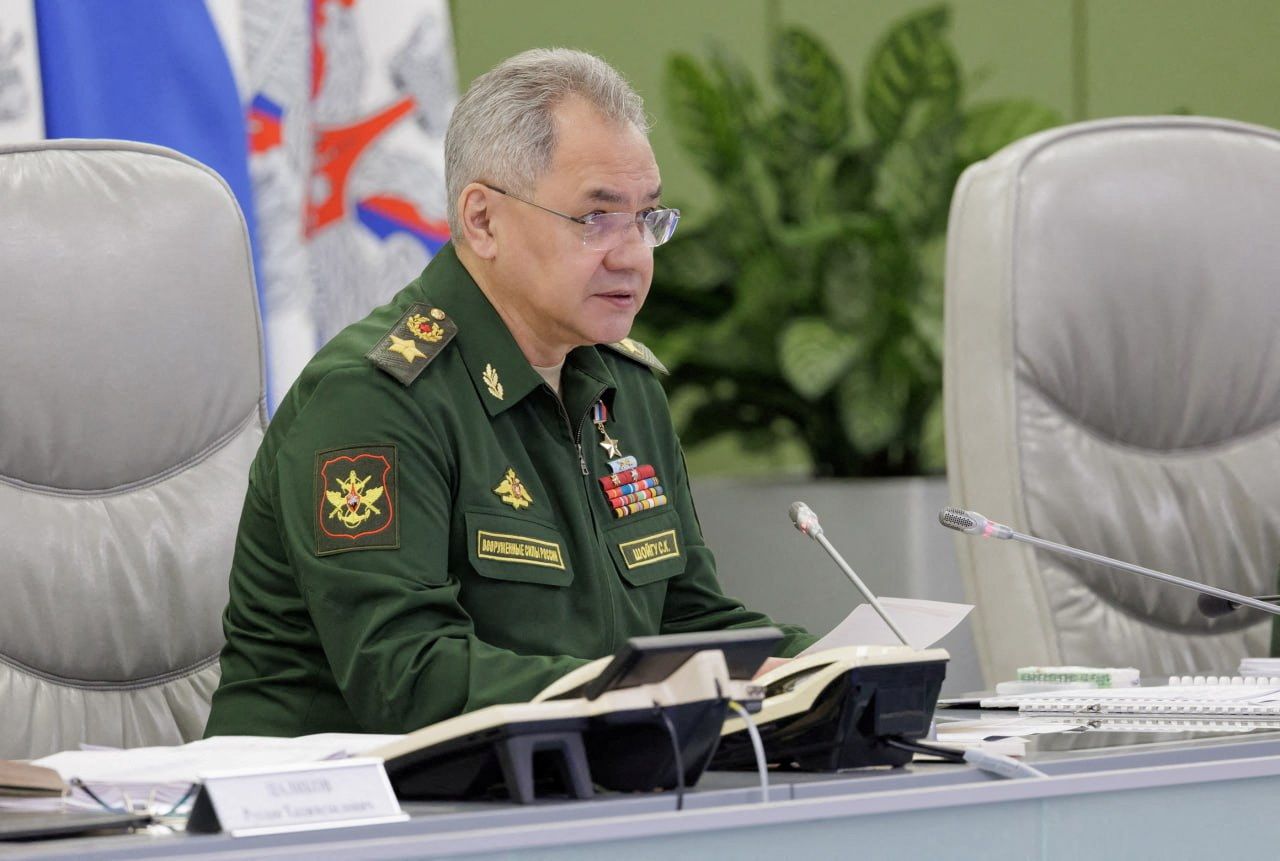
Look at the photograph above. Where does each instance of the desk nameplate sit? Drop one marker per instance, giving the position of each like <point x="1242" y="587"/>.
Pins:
<point x="298" y="797"/>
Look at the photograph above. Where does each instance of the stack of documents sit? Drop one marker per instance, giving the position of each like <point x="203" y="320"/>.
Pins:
<point x="159" y="777"/>
<point x="1184" y="696"/>
<point x="25" y="779"/>
<point x="1002" y="735"/>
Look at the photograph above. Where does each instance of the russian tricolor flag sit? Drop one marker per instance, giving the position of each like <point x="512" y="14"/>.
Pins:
<point x="326" y="118"/>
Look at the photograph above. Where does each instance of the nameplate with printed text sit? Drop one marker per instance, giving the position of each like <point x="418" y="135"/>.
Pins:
<point x="296" y="797"/>
<point x="518" y="548"/>
<point x="650" y="549"/>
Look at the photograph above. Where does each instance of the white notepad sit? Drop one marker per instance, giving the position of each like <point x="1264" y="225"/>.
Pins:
<point x="1189" y="696"/>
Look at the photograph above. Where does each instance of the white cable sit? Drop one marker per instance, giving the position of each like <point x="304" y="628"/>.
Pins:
<point x="998" y="764"/>
<point x="756" y="745"/>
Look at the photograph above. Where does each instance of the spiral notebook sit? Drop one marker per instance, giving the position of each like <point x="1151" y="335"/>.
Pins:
<point x="1188" y="696"/>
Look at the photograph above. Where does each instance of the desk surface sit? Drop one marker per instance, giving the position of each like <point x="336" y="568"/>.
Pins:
<point x="1174" y="799"/>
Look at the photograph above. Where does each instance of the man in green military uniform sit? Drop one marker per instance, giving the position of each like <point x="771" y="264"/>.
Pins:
<point x="478" y="488"/>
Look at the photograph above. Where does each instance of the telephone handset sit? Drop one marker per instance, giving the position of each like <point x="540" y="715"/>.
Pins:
<point x="834" y="709"/>
<point x="647" y="718"/>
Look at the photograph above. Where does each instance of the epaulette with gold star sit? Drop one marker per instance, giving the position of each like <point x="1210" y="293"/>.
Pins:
<point x="411" y="344"/>
<point x="633" y="349"/>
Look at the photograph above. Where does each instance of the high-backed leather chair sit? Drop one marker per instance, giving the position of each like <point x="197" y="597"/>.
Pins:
<point x="1112" y="381"/>
<point x="131" y="403"/>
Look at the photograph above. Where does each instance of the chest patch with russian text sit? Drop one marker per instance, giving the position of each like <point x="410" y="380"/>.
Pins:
<point x="650" y="549"/>
<point x="505" y="547"/>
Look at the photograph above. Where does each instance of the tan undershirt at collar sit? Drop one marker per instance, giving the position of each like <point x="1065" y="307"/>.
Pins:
<point x="552" y="376"/>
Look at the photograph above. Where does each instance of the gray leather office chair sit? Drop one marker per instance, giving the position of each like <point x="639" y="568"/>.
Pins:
<point x="1112" y="381"/>
<point x="131" y="403"/>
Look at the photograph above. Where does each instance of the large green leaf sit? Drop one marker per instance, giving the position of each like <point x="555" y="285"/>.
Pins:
<point x="702" y="117"/>
<point x="933" y="446"/>
<point x="913" y="181"/>
<point x="813" y="356"/>
<point x="871" y="407"/>
<point x="691" y="262"/>
<point x="819" y="232"/>
<point x="848" y="285"/>
<point x="926" y="311"/>
<point x="992" y="125"/>
<point x="673" y="345"/>
<point x="785" y="159"/>
<point x="749" y="212"/>
<point x="912" y="73"/>
<point x="912" y="359"/>
<point x="739" y="346"/>
<point x="739" y="89"/>
<point x="766" y="291"/>
<point x="854" y="180"/>
<point x="815" y="103"/>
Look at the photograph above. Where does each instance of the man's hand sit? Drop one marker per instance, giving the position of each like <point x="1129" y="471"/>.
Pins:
<point x="769" y="664"/>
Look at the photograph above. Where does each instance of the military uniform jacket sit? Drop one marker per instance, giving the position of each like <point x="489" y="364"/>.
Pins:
<point x="426" y="531"/>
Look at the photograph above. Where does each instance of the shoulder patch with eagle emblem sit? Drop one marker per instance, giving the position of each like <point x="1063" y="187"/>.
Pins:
<point x="355" y="499"/>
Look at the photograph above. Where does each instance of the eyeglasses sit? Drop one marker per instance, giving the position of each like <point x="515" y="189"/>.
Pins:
<point x="604" y="231"/>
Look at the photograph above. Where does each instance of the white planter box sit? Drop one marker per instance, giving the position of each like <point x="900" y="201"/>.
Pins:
<point x="887" y="530"/>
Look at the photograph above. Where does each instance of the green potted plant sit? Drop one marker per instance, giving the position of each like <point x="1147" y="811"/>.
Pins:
<point x="806" y="300"/>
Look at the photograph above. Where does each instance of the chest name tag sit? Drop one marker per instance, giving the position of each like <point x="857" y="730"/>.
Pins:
<point x="650" y="549"/>
<point x="518" y="548"/>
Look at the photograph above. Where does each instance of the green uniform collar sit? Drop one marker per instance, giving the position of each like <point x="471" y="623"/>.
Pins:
<point x="498" y="369"/>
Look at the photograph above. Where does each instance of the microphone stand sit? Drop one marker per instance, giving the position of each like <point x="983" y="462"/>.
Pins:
<point x="1107" y="561"/>
<point x="862" y="587"/>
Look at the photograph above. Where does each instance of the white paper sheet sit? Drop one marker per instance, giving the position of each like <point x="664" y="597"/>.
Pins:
<point x="987" y="729"/>
<point x="923" y="622"/>
<point x="185" y="762"/>
<point x="160" y="776"/>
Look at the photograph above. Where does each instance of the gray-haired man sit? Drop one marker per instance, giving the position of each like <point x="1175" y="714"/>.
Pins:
<point x="478" y="488"/>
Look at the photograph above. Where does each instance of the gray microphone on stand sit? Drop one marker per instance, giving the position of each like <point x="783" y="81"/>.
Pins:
<point x="973" y="523"/>
<point x="807" y="522"/>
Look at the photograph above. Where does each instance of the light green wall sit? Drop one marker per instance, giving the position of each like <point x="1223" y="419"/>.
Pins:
<point x="1218" y="58"/>
<point x="1084" y="58"/>
<point x="635" y="37"/>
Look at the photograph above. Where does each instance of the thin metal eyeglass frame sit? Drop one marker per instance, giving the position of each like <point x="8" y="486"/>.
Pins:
<point x="587" y="220"/>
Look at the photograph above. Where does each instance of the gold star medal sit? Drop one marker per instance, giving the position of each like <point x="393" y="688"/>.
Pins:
<point x="600" y="415"/>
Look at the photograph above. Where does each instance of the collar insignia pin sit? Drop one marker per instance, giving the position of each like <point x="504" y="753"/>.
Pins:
<point x="490" y="378"/>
